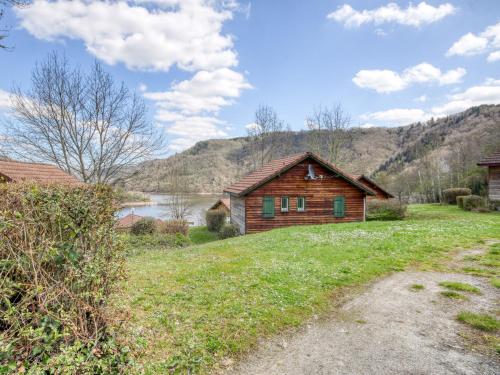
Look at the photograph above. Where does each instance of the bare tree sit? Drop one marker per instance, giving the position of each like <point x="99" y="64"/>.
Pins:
<point x="5" y="31"/>
<point x="178" y="190"/>
<point x="84" y="122"/>
<point x="329" y="131"/>
<point x="264" y="135"/>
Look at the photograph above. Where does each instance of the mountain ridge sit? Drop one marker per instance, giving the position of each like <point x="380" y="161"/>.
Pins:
<point x="210" y="165"/>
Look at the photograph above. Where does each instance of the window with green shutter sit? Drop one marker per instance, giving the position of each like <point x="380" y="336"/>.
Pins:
<point x="268" y="207"/>
<point x="339" y="206"/>
<point x="301" y="204"/>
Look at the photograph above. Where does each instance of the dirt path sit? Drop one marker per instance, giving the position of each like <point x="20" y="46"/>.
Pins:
<point x="388" y="329"/>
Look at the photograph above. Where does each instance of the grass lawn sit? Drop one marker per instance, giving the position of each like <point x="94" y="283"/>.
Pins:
<point x="201" y="235"/>
<point x="193" y="306"/>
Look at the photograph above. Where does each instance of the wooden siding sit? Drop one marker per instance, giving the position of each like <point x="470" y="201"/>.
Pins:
<point x="319" y="196"/>
<point x="494" y="183"/>
<point x="238" y="213"/>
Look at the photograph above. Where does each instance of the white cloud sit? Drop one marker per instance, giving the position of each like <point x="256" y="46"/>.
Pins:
<point x="188" y="108"/>
<point x="190" y="129"/>
<point x="486" y="93"/>
<point x="415" y="16"/>
<point x="471" y="44"/>
<point x="368" y="125"/>
<point x="205" y="91"/>
<point x="494" y="56"/>
<point x="384" y="81"/>
<point x="5" y="100"/>
<point x="252" y="126"/>
<point x="421" y="98"/>
<point x="187" y="33"/>
<point x="396" y="116"/>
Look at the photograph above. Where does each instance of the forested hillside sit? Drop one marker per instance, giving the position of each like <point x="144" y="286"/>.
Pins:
<point x="409" y="159"/>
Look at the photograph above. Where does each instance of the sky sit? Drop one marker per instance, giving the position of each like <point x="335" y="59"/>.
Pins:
<point x="204" y="66"/>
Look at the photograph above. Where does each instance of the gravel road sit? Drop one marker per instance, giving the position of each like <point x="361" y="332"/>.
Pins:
<point x="388" y="329"/>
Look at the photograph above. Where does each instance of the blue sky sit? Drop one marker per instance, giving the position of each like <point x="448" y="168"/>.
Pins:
<point x="205" y="65"/>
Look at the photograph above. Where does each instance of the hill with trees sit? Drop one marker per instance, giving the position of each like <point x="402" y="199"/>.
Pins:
<point x="417" y="160"/>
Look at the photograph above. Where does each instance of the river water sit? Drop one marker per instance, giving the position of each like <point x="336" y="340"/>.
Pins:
<point x="159" y="208"/>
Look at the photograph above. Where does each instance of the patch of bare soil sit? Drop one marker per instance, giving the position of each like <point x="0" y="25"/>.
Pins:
<point x="388" y="329"/>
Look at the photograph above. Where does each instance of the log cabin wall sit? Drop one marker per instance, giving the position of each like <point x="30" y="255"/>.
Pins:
<point x="319" y="196"/>
<point x="238" y="213"/>
<point x="494" y="183"/>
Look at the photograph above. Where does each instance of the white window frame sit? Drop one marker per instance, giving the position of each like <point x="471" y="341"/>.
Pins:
<point x="299" y="209"/>
<point x="287" y="208"/>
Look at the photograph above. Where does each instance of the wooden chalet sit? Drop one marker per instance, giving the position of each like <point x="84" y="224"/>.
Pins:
<point x="493" y="164"/>
<point x="299" y="189"/>
<point x="17" y="171"/>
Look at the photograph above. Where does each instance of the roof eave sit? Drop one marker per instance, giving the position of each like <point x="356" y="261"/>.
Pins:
<point x="489" y="164"/>
<point x="380" y="187"/>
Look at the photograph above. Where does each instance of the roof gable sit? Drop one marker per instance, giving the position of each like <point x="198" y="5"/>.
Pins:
<point x="276" y="167"/>
<point x="16" y="171"/>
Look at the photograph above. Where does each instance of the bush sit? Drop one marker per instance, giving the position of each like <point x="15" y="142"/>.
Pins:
<point x="229" y="230"/>
<point x="390" y="209"/>
<point x="60" y="261"/>
<point x="215" y="220"/>
<point x="450" y="195"/>
<point x="146" y="225"/>
<point x="460" y="200"/>
<point x="473" y="202"/>
<point x="174" y="227"/>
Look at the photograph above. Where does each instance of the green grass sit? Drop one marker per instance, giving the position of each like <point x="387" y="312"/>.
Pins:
<point x="462" y="287"/>
<point x="417" y="287"/>
<point x="453" y="294"/>
<point x="201" y="235"/>
<point x="495" y="282"/>
<point x="480" y="321"/>
<point x="192" y="307"/>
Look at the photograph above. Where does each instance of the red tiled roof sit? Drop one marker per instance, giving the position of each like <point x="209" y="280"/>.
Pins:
<point x="16" y="171"/>
<point x="492" y="160"/>
<point x="129" y="220"/>
<point x="274" y="168"/>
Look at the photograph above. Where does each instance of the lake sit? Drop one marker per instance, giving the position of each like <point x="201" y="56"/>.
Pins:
<point x="159" y="207"/>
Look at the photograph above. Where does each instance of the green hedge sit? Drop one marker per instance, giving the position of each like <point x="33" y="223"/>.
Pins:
<point x="450" y="195"/>
<point x="229" y="230"/>
<point x="215" y="220"/>
<point x="390" y="209"/>
<point x="146" y="225"/>
<point x="473" y="202"/>
<point x="60" y="261"/>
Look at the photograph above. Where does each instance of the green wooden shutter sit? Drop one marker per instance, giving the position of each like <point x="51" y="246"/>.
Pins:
<point x="268" y="207"/>
<point x="339" y="206"/>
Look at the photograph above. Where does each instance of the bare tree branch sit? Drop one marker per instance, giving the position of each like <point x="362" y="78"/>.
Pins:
<point x="264" y="135"/>
<point x="15" y="3"/>
<point x="329" y="131"/>
<point x="85" y="123"/>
